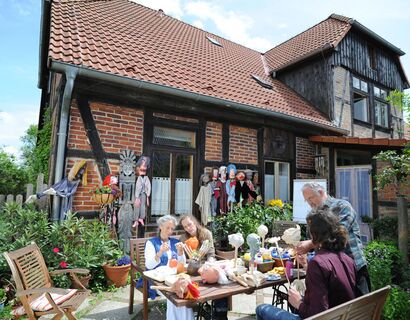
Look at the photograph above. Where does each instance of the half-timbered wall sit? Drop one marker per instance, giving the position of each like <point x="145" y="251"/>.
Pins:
<point x="313" y="81"/>
<point x="353" y="53"/>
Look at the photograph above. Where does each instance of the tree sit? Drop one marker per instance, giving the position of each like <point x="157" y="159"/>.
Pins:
<point x="13" y="178"/>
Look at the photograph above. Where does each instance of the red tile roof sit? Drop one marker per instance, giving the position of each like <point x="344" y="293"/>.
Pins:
<point x="124" y="38"/>
<point x="327" y="33"/>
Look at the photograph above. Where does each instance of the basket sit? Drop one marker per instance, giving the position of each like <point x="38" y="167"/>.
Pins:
<point x="278" y="263"/>
<point x="103" y="198"/>
<point x="262" y="267"/>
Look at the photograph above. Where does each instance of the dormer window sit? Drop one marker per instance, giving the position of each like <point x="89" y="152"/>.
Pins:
<point x="214" y="41"/>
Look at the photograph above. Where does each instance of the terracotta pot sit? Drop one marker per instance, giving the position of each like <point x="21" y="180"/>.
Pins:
<point x="103" y="198"/>
<point x="225" y="255"/>
<point x="117" y="275"/>
<point x="84" y="281"/>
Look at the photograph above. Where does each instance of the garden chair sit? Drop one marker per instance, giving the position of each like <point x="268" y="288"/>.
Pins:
<point x="35" y="288"/>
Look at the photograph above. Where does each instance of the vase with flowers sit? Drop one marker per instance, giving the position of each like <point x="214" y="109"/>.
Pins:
<point x="117" y="273"/>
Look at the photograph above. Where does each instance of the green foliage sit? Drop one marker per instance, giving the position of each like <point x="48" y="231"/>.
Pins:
<point x="397" y="306"/>
<point x="2" y="295"/>
<point x="384" y="264"/>
<point x="396" y="172"/>
<point x="74" y="243"/>
<point x="247" y="219"/>
<point x="5" y="313"/>
<point x="401" y="100"/>
<point x="36" y="148"/>
<point x="386" y="229"/>
<point x="13" y="178"/>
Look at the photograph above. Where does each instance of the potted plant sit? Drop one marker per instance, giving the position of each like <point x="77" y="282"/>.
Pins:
<point x="117" y="273"/>
<point x="104" y="195"/>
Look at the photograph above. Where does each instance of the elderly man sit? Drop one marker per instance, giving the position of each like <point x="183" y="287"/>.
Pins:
<point x="317" y="198"/>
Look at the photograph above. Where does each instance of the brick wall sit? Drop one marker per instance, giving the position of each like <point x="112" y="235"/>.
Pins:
<point x="174" y="117"/>
<point x="213" y="141"/>
<point x="305" y="154"/>
<point x="342" y="107"/>
<point x="243" y="145"/>
<point x="77" y="137"/>
<point x="119" y="127"/>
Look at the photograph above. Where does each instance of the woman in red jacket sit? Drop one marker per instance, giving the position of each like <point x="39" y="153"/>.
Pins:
<point x="331" y="274"/>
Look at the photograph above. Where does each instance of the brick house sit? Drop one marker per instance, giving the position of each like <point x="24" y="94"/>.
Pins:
<point x="118" y="75"/>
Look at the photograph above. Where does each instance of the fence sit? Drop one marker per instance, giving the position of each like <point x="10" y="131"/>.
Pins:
<point x="20" y="199"/>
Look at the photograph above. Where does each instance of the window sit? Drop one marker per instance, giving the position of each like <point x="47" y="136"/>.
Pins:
<point x="277" y="180"/>
<point x="360" y="100"/>
<point x="361" y="109"/>
<point x="381" y="108"/>
<point x="174" y="137"/>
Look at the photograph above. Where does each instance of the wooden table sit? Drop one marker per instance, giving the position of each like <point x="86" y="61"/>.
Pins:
<point x="208" y="292"/>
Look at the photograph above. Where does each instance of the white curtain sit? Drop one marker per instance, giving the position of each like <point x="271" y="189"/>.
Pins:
<point x="160" y="196"/>
<point x="183" y="196"/>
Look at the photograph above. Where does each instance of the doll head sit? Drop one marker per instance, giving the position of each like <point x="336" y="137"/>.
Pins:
<point x="214" y="174"/>
<point x="248" y="174"/>
<point x="79" y="172"/>
<point x="222" y="173"/>
<point x="240" y="176"/>
<point x="231" y="171"/>
<point x="254" y="243"/>
<point x="110" y="180"/>
<point x="204" y="179"/>
<point x="143" y="164"/>
<point x="212" y="274"/>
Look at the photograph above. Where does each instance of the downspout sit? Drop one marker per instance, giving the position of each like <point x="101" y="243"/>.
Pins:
<point x="70" y="74"/>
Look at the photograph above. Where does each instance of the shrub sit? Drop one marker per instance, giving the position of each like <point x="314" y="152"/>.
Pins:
<point x="384" y="264"/>
<point x="386" y="229"/>
<point x="397" y="306"/>
<point x="247" y="219"/>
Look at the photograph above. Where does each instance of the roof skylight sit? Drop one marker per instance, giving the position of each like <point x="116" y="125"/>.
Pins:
<point x="262" y="82"/>
<point x="214" y="41"/>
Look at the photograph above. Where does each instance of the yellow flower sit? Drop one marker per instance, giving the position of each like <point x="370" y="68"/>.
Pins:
<point x="275" y="203"/>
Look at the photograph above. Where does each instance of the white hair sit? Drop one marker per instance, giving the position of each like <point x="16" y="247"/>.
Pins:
<point x="314" y="186"/>
<point x="164" y="219"/>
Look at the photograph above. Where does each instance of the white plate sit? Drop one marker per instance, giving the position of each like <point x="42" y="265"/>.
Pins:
<point x="160" y="273"/>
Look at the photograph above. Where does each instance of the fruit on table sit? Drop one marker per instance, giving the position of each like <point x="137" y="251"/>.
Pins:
<point x="180" y="267"/>
<point x="173" y="263"/>
<point x="192" y="242"/>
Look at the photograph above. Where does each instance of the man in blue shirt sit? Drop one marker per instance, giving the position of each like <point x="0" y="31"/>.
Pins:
<point x="317" y="198"/>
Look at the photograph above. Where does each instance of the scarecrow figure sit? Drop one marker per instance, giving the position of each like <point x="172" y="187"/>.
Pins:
<point x="230" y="186"/>
<point x="220" y="192"/>
<point x="66" y="187"/>
<point x="142" y="191"/>
<point x="242" y="190"/>
<point x="203" y="200"/>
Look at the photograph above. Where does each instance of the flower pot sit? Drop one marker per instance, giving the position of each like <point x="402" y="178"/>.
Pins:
<point x="117" y="275"/>
<point x="85" y="280"/>
<point x="225" y="255"/>
<point x="103" y="198"/>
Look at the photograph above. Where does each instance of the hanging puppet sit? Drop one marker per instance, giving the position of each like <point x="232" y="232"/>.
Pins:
<point x="203" y="200"/>
<point x="242" y="190"/>
<point x="230" y="186"/>
<point x="220" y="192"/>
<point x="66" y="187"/>
<point x="249" y="178"/>
<point x="213" y="185"/>
<point x="142" y="191"/>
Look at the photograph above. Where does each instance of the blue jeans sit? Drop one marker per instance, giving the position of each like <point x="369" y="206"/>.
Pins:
<point x="269" y="312"/>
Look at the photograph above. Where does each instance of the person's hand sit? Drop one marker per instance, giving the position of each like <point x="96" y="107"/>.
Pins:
<point x="302" y="259"/>
<point x="137" y="202"/>
<point x="180" y="248"/>
<point x="295" y="299"/>
<point x="164" y="248"/>
<point x="304" y="246"/>
<point x="147" y="202"/>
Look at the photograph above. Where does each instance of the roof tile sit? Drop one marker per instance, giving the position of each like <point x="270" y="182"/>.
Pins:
<point x="125" y="38"/>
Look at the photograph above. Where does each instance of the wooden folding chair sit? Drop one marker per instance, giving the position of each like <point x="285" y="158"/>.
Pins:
<point x="35" y="288"/>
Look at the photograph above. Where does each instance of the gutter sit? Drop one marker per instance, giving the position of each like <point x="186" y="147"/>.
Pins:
<point x="154" y="87"/>
<point x="70" y="75"/>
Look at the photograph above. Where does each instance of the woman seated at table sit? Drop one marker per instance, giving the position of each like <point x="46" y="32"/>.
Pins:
<point x="330" y="276"/>
<point x="192" y="228"/>
<point x="158" y="252"/>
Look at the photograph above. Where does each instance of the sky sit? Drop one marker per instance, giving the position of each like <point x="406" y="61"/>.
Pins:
<point x="258" y="24"/>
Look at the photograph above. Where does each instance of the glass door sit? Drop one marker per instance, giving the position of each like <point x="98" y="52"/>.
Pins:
<point x="172" y="175"/>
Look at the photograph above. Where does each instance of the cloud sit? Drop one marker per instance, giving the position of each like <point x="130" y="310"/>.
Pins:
<point x="14" y="125"/>
<point x="233" y="25"/>
<point x="199" y="24"/>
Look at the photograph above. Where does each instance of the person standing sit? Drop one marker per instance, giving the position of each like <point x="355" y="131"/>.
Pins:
<point x="317" y="198"/>
<point x="330" y="275"/>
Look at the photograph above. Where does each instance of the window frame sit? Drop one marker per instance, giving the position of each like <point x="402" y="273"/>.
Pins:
<point x="364" y="93"/>
<point x="277" y="188"/>
<point x="380" y="99"/>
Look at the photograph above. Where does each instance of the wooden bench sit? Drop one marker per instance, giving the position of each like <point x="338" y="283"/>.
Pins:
<point x="367" y="307"/>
